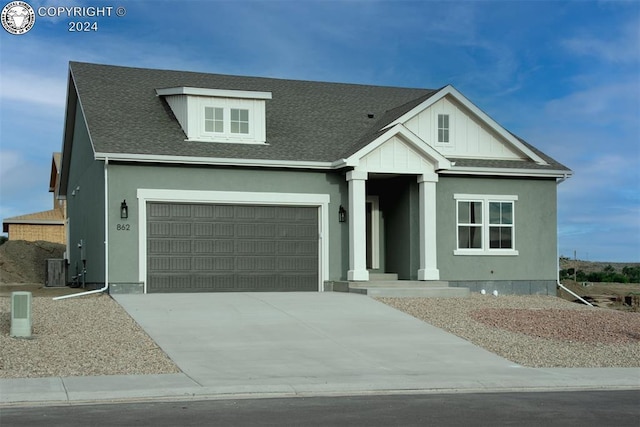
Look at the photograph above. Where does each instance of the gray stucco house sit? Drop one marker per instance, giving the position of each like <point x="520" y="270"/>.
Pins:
<point x="181" y="182"/>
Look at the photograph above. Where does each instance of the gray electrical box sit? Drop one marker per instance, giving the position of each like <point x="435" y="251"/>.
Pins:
<point x="21" y="314"/>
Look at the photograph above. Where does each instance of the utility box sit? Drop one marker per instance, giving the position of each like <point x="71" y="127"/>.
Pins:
<point x="20" y="314"/>
<point x="56" y="273"/>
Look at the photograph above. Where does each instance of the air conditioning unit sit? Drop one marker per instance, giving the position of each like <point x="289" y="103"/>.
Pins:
<point x="20" y="314"/>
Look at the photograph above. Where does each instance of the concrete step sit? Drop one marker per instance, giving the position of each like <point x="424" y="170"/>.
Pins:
<point x="400" y="284"/>
<point x="382" y="276"/>
<point x="407" y="288"/>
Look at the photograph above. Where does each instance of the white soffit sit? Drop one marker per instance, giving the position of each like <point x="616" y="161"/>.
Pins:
<point x="218" y="93"/>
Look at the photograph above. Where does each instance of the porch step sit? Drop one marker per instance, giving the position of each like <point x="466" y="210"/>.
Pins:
<point x="407" y="288"/>
<point x="375" y="277"/>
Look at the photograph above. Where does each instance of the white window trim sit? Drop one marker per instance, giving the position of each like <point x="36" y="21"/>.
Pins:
<point x="436" y="140"/>
<point x="321" y="201"/>
<point x="485" y="199"/>
<point x="448" y="128"/>
<point x="226" y="135"/>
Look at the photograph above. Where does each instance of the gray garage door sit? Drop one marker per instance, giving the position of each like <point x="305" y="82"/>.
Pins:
<point x="204" y="248"/>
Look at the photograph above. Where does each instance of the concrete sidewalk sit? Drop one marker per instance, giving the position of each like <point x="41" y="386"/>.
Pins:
<point x="293" y="344"/>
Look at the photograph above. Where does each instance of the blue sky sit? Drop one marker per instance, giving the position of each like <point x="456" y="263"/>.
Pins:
<point x="564" y="75"/>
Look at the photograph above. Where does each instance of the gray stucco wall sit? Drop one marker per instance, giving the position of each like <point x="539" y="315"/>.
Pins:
<point x="125" y="179"/>
<point x="535" y="231"/>
<point x="85" y="206"/>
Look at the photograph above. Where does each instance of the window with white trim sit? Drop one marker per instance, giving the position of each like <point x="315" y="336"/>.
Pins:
<point x="214" y="119"/>
<point x="239" y="120"/>
<point x="443" y="128"/>
<point x="485" y="224"/>
<point x="226" y="121"/>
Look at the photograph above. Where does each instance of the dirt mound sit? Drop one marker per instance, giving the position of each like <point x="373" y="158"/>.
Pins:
<point x="24" y="262"/>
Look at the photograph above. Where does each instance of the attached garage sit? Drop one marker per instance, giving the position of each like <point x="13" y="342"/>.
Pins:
<point x="203" y="247"/>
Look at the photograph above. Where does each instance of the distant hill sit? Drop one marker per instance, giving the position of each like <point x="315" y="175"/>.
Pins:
<point x="594" y="266"/>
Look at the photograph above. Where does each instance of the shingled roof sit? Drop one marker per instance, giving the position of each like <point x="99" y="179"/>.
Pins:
<point x="306" y="121"/>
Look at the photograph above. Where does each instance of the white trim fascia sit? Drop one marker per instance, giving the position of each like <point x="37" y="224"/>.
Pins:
<point x="540" y="173"/>
<point x="439" y="160"/>
<point x="450" y="90"/>
<point x="213" y="161"/>
<point x="321" y="201"/>
<point x="481" y="252"/>
<point x="490" y="197"/>
<point x="218" y="93"/>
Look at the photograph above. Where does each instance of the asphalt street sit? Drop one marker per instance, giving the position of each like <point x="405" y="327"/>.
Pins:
<point x="584" y="409"/>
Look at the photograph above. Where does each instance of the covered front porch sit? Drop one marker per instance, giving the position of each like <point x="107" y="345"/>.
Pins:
<point x="392" y="208"/>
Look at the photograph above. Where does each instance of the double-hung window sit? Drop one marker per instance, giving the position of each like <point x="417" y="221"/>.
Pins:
<point x="485" y="224"/>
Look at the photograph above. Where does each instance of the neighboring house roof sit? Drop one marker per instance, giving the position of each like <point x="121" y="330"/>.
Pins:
<point x="305" y="121"/>
<point x="52" y="217"/>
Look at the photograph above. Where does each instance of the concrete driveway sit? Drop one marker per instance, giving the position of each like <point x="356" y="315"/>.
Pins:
<point x="302" y="344"/>
<point x="309" y="341"/>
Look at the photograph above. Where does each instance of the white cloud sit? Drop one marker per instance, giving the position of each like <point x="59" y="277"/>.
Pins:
<point x="27" y="86"/>
<point x="618" y="45"/>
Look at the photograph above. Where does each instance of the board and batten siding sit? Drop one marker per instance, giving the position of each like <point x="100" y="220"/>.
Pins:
<point x="469" y="138"/>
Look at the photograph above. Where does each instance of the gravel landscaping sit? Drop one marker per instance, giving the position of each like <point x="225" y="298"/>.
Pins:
<point x="89" y="335"/>
<point x="535" y="331"/>
<point x="93" y="335"/>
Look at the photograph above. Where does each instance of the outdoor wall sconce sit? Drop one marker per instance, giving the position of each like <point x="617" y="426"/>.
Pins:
<point x="342" y="214"/>
<point x="124" y="210"/>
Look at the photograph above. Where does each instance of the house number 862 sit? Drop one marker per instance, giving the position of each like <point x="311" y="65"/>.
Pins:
<point x="123" y="227"/>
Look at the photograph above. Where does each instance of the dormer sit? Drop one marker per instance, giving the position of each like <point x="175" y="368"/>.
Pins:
<point x="218" y="115"/>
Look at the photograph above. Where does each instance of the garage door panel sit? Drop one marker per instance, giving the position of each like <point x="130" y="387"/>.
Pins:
<point x="213" y="246"/>
<point x="214" y="264"/>
<point x="180" y="229"/>
<point x="159" y="229"/>
<point x="208" y="247"/>
<point x="297" y="247"/>
<point x="266" y="247"/>
<point x="249" y="263"/>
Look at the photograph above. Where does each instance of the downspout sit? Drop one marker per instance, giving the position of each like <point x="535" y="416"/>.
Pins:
<point x="560" y="285"/>
<point x="106" y="241"/>
<point x="567" y="289"/>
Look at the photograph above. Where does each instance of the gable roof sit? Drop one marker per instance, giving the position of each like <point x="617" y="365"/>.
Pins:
<point x="317" y="124"/>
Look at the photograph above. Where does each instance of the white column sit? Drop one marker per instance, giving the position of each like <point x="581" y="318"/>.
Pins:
<point x="428" y="258"/>
<point x="357" y="226"/>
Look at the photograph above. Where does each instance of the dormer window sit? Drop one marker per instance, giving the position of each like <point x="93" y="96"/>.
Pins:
<point x="213" y="119"/>
<point x="212" y="115"/>
<point x="239" y="121"/>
